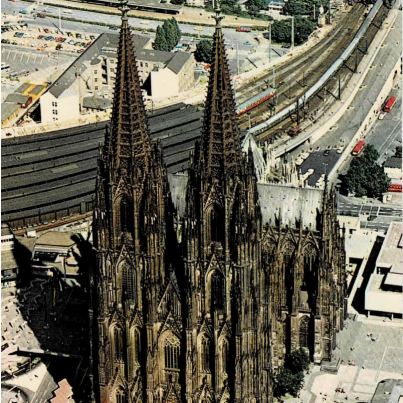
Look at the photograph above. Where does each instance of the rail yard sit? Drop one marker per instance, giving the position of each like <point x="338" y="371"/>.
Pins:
<point x="49" y="176"/>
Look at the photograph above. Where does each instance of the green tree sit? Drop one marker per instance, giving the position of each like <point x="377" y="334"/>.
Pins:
<point x="170" y="34"/>
<point x="204" y="51"/>
<point x="297" y="361"/>
<point x="178" y="2"/>
<point x="365" y="177"/>
<point x="287" y="382"/>
<point x="178" y="33"/>
<point x="160" y="42"/>
<point x="398" y="152"/>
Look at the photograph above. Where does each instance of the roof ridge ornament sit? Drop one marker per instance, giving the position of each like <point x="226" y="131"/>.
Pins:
<point x="124" y="8"/>
<point x="218" y="17"/>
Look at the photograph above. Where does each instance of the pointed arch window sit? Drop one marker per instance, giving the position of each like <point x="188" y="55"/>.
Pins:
<point x="309" y="266"/>
<point x="205" y="354"/>
<point x="172" y="350"/>
<point x="118" y="343"/>
<point x="126" y="215"/>
<point x="136" y="343"/>
<point x="304" y="332"/>
<point x="217" y="292"/>
<point x="225" y="356"/>
<point x="216" y="224"/>
<point x="129" y="281"/>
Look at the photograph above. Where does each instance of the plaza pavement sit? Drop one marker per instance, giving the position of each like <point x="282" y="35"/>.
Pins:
<point x="374" y="361"/>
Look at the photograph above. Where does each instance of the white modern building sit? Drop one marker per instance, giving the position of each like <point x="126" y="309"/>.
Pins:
<point x="383" y="295"/>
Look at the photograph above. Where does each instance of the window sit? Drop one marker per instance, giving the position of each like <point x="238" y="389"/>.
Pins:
<point x="95" y="71"/>
<point x="55" y="119"/>
<point x="225" y="356"/>
<point x="96" y="79"/>
<point x="141" y="64"/>
<point x="146" y="64"/>
<point x="117" y="343"/>
<point x="54" y="111"/>
<point x="126" y="216"/>
<point x="205" y="354"/>
<point x="217" y="292"/>
<point x="137" y="347"/>
<point x="54" y="104"/>
<point x="112" y="70"/>
<point x="96" y="88"/>
<point x="304" y="332"/>
<point x="171" y="350"/>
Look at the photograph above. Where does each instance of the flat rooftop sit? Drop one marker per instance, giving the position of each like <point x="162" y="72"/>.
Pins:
<point x="57" y="239"/>
<point x="391" y="254"/>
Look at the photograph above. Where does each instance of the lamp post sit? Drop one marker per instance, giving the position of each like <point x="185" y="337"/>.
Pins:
<point x="270" y="23"/>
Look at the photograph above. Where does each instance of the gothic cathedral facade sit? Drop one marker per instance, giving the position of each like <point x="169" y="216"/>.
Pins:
<point x="200" y="306"/>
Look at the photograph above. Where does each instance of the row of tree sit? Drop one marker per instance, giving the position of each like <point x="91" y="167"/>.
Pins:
<point x="168" y="35"/>
<point x="290" y="377"/>
<point x="281" y="30"/>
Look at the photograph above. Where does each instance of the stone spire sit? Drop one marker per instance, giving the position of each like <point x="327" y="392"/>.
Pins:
<point x="128" y="145"/>
<point x="220" y="141"/>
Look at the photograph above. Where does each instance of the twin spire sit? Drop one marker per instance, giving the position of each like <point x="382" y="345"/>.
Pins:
<point x="129" y="145"/>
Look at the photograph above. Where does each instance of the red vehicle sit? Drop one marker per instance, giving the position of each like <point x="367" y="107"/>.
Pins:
<point x="395" y="188"/>
<point x="59" y="39"/>
<point x="389" y="104"/>
<point x="358" y="148"/>
<point x="244" y="29"/>
<point x="294" y="130"/>
<point x="46" y="30"/>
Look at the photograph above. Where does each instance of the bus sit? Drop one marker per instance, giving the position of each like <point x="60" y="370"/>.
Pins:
<point x="389" y="104"/>
<point x="21" y="73"/>
<point x="244" y="29"/>
<point x="395" y="188"/>
<point x="5" y="67"/>
<point x="358" y="148"/>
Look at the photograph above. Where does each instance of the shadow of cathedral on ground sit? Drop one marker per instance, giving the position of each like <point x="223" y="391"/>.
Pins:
<point x="204" y="280"/>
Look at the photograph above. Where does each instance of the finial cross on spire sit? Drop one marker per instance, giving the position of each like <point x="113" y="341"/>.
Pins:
<point x="218" y="17"/>
<point x="124" y="8"/>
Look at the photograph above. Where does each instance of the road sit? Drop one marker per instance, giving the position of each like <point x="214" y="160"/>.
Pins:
<point x="348" y="125"/>
<point x="374" y="215"/>
<point x="45" y="389"/>
<point x="386" y="134"/>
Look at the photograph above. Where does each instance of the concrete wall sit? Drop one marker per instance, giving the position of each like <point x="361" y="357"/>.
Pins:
<point x="164" y="83"/>
<point x="394" y="173"/>
<point x="66" y="107"/>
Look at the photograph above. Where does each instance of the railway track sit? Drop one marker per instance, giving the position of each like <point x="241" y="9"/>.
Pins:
<point x="308" y="66"/>
<point x="317" y="105"/>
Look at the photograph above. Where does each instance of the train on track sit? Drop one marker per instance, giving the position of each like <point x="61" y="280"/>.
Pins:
<point x="319" y="85"/>
<point x="255" y="101"/>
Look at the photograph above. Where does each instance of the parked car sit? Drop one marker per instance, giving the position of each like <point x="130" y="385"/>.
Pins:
<point x="46" y="30"/>
<point x="40" y="15"/>
<point x="113" y="28"/>
<point x="326" y="153"/>
<point x="92" y="37"/>
<point x="59" y="47"/>
<point x="59" y="39"/>
<point x="40" y="37"/>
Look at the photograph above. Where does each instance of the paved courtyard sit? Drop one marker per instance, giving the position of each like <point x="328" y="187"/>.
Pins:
<point x="375" y="358"/>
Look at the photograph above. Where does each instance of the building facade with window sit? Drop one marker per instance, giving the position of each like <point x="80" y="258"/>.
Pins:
<point x="93" y="74"/>
<point x="199" y="299"/>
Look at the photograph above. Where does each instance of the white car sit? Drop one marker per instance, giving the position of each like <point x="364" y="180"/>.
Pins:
<point x="381" y="116"/>
<point x="340" y="150"/>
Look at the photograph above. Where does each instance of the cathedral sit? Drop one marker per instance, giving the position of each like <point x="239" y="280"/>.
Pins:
<point x="204" y="280"/>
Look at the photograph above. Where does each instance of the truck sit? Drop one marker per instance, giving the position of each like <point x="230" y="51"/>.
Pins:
<point x="389" y="104"/>
<point x="244" y="29"/>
